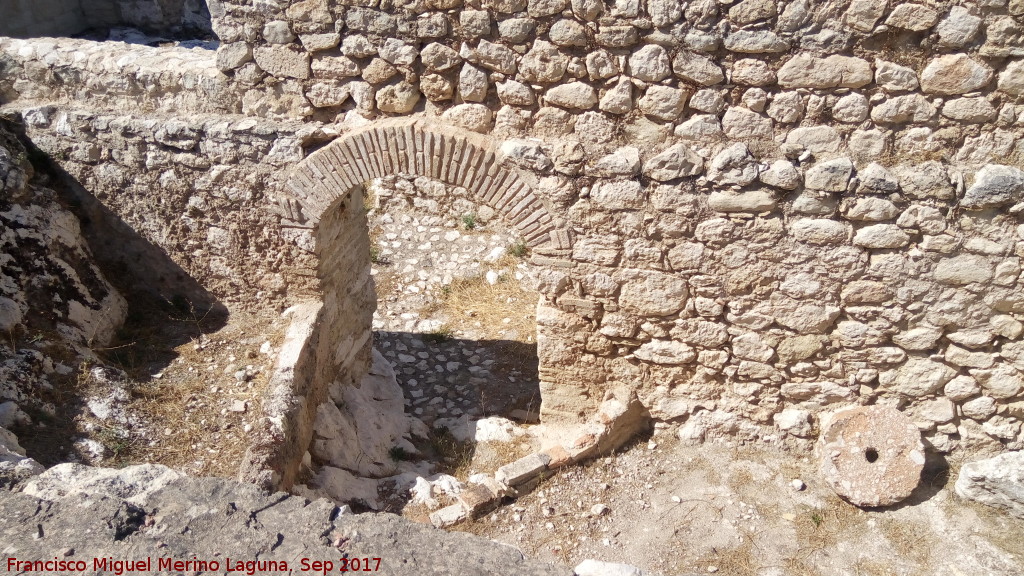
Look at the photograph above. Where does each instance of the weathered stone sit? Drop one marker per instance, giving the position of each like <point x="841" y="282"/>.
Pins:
<point x="475" y="117"/>
<point x="541" y="8"/>
<point x="900" y="109"/>
<point x="787" y="107"/>
<point x="357" y="46"/>
<point x="955" y="74"/>
<point x="475" y="23"/>
<point x="663" y="102"/>
<point x="617" y="36"/>
<point x="327" y="95"/>
<point x="815" y="394"/>
<point x="526" y="154"/>
<point x="872" y="210"/>
<point x="624" y="161"/>
<point x="677" y="161"/>
<point x="438" y="57"/>
<point x="958" y="28"/>
<point x="997" y="482"/>
<point x="915" y="17"/>
<point x="794" y="421"/>
<point x="473" y="84"/>
<point x="876" y="178"/>
<point x="925" y="180"/>
<point x="436" y="87"/>
<point x="232" y="55"/>
<point x="283" y="61"/>
<point x="819" y="231"/>
<point x="805" y="317"/>
<point x="894" y="77"/>
<point x="543" y="63"/>
<point x="881" y="236"/>
<point x="277" y="32"/>
<point x="742" y="124"/>
<point x="397" y="52"/>
<point x="805" y="71"/>
<point x="918" y="377"/>
<point x="755" y="42"/>
<point x="963" y="269"/>
<point x="871" y="455"/>
<point x="664" y="12"/>
<point x="973" y="110"/>
<point x="733" y="165"/>
<point x="588" y="10"/>
<point x="862" y="15"/>
<point x="601" y="65"/>
<point x="516" y="30"/>
<point x="515" y="93"/>
<point x="666" y="352"/>
<point x="830" y="176"/>
<point x="1001" y="382"/>
<point x="379" y="71"/>
<point x="449" y="515"/>
<point x="751" y="72"/>
<point x="495" y="57"/>
<point x="750" y="11"/>
<point x="335" y="67"/>
<point x="980" y="408"/>
<point x="754" y="201"/>
<point x="851" y="108"/>
<point x="816" y="139"/>
<point x="574" y="95"/>
<point x="781" y="174"/>
<point x="1011" y="79"/>
<point x="698" y="69"/>
<point x="522" y="470"/>
<point x="654" y="294"/>
<point x="568" y="33"/>
<point x="618" y="194"/>
<point x="619" y="98"/>
<point x="994" y="185"/>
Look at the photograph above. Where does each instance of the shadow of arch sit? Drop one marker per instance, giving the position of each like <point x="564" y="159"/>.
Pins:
<point x="422" y="147"/>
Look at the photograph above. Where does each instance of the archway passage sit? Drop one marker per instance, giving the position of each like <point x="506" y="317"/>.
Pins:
<point x="421" y="147"/>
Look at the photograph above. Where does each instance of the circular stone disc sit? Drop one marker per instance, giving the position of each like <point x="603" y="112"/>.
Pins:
<point x="871" y="455"/>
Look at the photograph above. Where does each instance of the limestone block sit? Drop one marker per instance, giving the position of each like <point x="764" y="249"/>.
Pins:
<point x="495" y="57"/>
<point x="232" y="55"/>
<point x="830" y="176"/>
<point x="862" y="15"/>
<point x="619" y="98"/>
<point x="733" y="165"/>
<point x="568" y="33"/>
<point x="522" y="470"/>
<point x="972" y="110"/>
<point x="955" y="74"/>
<point x="754" y="201"/>
<point x="958" y="28"/>
<point x="677" y="161"/>
<point x="910" y="16"/>
<point x="901" y="109"/>
<point x="574" y="95"/>
<point x="283" y="61"/>
<point x="697" y="69"/>
<point x="663" y="102"/>
<point x="653" y="294"/>
<point x="742" y="124"/>
<point x="438" y="57"/>
<point x="398" y="98"/>
<point x="755" y="42"/>
<point x="475" y="117"/>
<point x="871" y="455"/>
<point x="805" y="71"/>
<point x="473" y="83"/>
<point x="666" y="352"/>
<point x="781" y="174"/>
<point x="398" y="52"/>
<point x="1011" y="79"/>
<point x="543" y="63"/>
<point x="997" y="482"/>
<point x="618" y="194"/>
<point x="963" y="269"/>
<point x="994" y="185"/>
<point x="664" y="12"/>
<point x="894" y="77"/>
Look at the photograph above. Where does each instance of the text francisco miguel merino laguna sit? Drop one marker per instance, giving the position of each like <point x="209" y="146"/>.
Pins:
<point x="248" y="567"/>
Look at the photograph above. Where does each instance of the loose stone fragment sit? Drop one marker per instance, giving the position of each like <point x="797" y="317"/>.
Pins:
<point x="996" y="482"/>
<point x="871" y="455"/>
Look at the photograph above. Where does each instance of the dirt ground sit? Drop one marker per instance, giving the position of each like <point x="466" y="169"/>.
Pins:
<point x="671" y="508"/>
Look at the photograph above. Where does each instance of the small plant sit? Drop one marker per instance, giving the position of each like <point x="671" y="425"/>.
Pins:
<point x="817" y="519"/>
<point x="399" y="454"/>
<point x="439" y="335"/>
<point x="376" y="256"/>
<point x="518" y="250"/>
<point x="469" y="221"/>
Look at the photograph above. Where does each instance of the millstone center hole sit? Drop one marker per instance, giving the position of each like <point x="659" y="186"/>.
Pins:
<point x="871" y="455"/>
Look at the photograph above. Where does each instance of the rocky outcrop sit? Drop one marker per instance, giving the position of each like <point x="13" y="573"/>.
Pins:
<point x="997" y="482"/>
<point x="116" y="515"/>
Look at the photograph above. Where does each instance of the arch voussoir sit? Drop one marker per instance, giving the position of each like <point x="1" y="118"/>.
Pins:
<point x="421" y="147"/>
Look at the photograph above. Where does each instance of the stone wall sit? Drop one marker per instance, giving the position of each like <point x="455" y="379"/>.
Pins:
<point x="37" y="18"/>
<point x="764" y="210"/>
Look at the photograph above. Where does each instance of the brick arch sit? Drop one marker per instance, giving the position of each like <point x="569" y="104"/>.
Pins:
<point x="423" y="147"/>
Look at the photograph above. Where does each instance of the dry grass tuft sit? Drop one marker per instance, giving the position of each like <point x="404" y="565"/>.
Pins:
<point x="504" y="310"/>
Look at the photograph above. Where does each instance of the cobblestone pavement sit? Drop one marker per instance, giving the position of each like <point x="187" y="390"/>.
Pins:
<point x="448" y="363"/>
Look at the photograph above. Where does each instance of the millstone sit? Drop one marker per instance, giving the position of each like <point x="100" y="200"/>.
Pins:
<point x="871" y="455"/>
